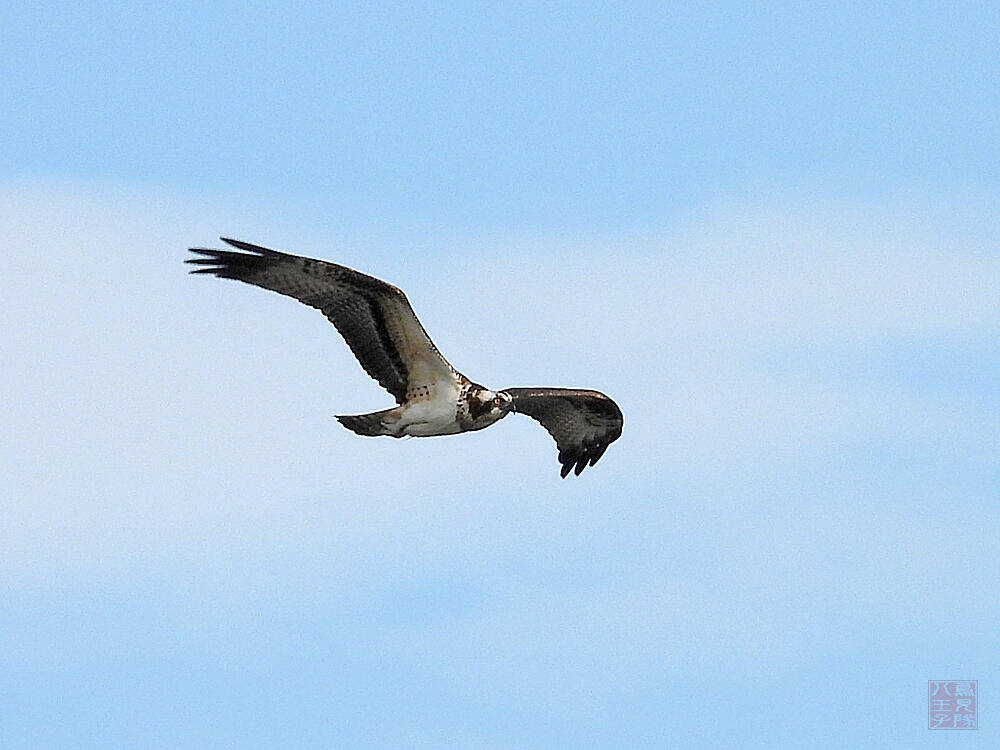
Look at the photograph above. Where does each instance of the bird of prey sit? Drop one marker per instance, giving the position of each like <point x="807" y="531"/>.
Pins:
<point x="432" y="397"/>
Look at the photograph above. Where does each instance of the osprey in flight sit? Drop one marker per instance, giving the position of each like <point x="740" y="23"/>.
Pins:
<point x="433" y="398"/>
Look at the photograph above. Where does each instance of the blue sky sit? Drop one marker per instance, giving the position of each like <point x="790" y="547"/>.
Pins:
<point x="769" y="231"/>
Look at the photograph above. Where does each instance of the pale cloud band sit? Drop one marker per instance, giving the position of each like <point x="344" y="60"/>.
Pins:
<point x="810" y="391"/>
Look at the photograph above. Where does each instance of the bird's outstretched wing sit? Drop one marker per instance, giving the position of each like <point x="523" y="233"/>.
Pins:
<point x="583" y="423"/>
<point x="374" y="317"/>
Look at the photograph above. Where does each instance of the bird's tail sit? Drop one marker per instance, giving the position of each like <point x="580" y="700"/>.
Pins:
<point x="370" y="425"/>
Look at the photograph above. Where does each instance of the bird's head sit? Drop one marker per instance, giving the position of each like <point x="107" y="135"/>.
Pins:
<point x="486" y="406"/>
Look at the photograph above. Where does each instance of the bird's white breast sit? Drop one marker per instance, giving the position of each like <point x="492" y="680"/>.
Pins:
<point x="433" y="413"/>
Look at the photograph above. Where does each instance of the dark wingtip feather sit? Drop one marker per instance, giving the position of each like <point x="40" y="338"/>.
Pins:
<point x="248" y="246"/>
<point x="578" y="460"/>
<point x="207" y="261"/>
<point x="228" y="264"/>
<point x="595" y="455"/>
<point x="212" y="262"/>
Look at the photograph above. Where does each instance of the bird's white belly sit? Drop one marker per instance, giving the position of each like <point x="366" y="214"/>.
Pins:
<point x="430" y="416"/>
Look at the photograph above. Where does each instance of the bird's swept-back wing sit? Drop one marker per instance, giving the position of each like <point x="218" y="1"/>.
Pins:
<point x="583" y="423"/>
<point x="374" y="317"/>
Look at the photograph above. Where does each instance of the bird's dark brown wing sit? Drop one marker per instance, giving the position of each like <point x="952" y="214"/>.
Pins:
<point x="583" y="423"/>
<point x="374" y="317"/>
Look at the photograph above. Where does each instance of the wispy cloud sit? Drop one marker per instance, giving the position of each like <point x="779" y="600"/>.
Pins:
<point x="802" y="443"/>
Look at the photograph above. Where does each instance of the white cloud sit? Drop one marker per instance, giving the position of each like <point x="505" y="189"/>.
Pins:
<point x="175" y="433"/>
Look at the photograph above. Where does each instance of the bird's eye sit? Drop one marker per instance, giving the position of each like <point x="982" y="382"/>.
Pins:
<point x="496" y="401"/>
